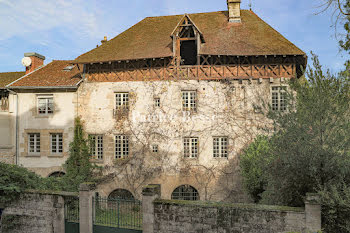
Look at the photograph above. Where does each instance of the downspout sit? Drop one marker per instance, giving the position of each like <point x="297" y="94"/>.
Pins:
<point x="17" y="126"/>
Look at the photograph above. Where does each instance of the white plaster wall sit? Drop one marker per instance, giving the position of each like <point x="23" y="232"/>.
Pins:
<point x="62" y="119"/>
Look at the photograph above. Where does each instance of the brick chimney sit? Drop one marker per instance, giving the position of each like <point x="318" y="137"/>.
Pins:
<point x="234" y="11"/>
<point x="37" y="61"/>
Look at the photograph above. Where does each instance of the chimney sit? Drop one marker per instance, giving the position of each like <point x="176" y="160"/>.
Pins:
<point x="37" y="60"/>
<point x="234" y="11"/>
<point x="104" y="40"/>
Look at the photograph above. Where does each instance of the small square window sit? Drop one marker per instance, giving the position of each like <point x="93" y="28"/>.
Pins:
<point x="45" y="105"/>
<point x="122" y="101"/>
<point x="155" y="148"/>
<point x="157" y="102"/>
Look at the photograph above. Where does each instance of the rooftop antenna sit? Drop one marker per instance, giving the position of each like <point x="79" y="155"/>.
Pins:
<point x="250" y="5"/>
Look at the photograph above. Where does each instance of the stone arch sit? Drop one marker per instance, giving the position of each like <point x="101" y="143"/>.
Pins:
<point x="121" y="194"/>
<point x="57" y="174"/>
<point x="185" y="192"/>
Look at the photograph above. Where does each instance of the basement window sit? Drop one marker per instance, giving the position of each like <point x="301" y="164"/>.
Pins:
<point x="185" y="192"/>
<point x="188" y="52"/>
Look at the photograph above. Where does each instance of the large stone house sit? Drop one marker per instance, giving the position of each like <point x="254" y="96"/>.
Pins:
<point x="172" y="100"/>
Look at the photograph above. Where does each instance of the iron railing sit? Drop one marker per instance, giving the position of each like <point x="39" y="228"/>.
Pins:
<point x="119" y="213"/>
<point x="71" y="209"/>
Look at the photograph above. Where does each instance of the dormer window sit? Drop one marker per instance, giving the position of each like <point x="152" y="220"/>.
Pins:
<point x="187" y="39"/>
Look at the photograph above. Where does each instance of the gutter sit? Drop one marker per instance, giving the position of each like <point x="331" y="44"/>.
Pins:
<point x="17" y="127"/>
<point x="43" y="87"/>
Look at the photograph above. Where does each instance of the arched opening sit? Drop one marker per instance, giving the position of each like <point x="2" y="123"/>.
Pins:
<point x="57" y="174"/>
<point x="185" y="192"/>
<point x="121" y="194"/>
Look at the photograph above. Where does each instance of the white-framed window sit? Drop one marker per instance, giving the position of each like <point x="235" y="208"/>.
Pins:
<point x="189" y="101"/>
<point x="155" y="148"/>
<point x="190" y="147"/>
<point x="45" y="105"/>
<point x="56" y="143"/>
<point x="220" y="147"/>
<point x="34" y="143"/>
<point x="122" y="100"/>
<point x="279" y="98"/>
<point x="121" y="146"/>
<point x="96" y="146"/>
<point x="157" y="102"/>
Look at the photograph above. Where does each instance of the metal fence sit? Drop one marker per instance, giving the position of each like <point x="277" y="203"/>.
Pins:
<point x="119" y="213"/>
<point x="71" y="208"/>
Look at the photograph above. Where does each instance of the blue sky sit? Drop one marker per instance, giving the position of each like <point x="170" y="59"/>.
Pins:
<point x="64" y="29"/>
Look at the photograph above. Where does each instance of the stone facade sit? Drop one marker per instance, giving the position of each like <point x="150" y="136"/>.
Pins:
<point x="223" y="109"/>
<point x="34" y="213"/>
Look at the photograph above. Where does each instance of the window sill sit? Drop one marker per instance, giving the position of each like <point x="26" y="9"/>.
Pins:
<point x="96" y="161"/>
<point x="33" y="155"/>
<point x="44" y="116"/>
<point x="55" y="156"/>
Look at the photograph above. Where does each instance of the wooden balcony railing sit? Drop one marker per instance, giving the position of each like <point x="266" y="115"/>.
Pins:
<point x="198" y="72"/>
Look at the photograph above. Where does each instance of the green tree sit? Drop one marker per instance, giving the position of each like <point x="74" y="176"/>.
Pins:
<point x="78" y="166"/>
<point x="253" y="162"/>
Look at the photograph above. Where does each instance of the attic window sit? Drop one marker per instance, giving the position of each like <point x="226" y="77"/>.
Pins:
<point x="188" y="52"/>
<point x="187" y="41"/>
<point x="69" y="68"/>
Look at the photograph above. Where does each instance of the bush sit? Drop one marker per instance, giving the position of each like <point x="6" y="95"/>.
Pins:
<point x="14" y="180"/>
<point x="336" y="209"/>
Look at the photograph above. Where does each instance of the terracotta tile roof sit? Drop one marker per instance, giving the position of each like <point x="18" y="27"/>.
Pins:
<point x="150" y="38"/>
<point x="9" y="77"/>
<point x="51" y="75"/>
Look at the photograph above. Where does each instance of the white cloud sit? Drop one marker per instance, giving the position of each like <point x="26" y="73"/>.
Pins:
<point x="20" y="17"/>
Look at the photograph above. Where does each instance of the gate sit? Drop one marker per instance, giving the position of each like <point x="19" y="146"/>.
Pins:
<point x="117" y="215"/>
<point x="71" y="214"/>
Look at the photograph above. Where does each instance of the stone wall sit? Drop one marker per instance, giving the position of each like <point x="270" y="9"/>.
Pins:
<point x="193" y="217"/>
<point x="34" y="213"/>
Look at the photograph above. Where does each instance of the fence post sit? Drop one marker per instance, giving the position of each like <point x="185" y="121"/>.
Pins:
<point x="149" y="194"/>
<point x="59" y="214"/>
<point x="313" y="212"/>
<point x="86" y="192"/>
